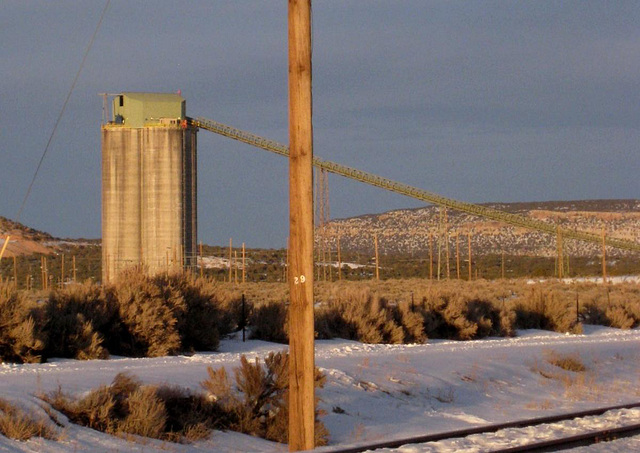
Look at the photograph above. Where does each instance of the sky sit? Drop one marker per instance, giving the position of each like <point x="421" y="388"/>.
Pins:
<point x="481" y="101"/>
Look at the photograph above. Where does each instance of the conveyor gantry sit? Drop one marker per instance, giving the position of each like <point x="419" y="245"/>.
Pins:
<point x="413" y="192"/>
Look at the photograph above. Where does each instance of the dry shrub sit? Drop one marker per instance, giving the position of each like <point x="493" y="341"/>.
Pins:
<point x="189" y="416"/>
<point x="147" y="314"/>
<point x="547" y="310"/>
<point x="200" y="316"/>
<point x="269" y="322"/>
<point x="619" y="317"/>
<point x="101" y="409"/>
<point x="128" y="407"/>
<point x="138" y="316"/>
<point x="453" y="315"/>
<point x="617" y="307"/>
<point x="78" y="318"/>
<point x="145" y="414"/>
<point x="21" y="338"/>
<point x="359" y="315"/>
<point x="457" y="309"/>
<point x="411" y="321"/>
<point x="17" y="424"/>
<point x="258" y="405"/>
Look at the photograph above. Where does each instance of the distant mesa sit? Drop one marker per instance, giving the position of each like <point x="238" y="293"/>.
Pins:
<point x="407" y="231"/>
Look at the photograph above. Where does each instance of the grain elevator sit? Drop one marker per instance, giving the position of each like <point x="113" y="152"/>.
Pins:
<point x="149" y="157"/>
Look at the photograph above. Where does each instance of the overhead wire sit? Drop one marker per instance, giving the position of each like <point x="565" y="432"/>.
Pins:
<point x="64" y="107"/>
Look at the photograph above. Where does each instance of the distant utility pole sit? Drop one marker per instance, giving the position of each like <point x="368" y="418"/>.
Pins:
<point x="560" y="257"/>
<point x="469" y="254"/>
<point x="230" y="259"/>
<point x="301" y="332"/>
<point x="375" y="246"/>
<point x="458" y="254"/>
<point x="430" y="256"/>
<point x="244" y="269"/>
<point x="604" y="256"/>
<point x="339" y="259"/>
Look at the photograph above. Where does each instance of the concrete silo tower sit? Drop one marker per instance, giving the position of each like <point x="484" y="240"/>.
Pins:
<point x="148" y="185"/>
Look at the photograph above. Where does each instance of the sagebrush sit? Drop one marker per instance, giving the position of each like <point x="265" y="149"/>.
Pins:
<point x="139" y="316"/>
<point x="256" y="403"/>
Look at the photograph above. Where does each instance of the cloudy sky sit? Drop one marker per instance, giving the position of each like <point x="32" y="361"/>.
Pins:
<point x="475" y="100"/>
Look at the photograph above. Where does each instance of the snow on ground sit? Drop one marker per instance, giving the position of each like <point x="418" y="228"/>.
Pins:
<point x="375" y="392"/>
<point x="514" y="437"/>
<point x="617" y="280"/>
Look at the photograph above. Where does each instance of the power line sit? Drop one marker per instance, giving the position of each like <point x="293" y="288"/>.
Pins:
<point x="64" y="106"/>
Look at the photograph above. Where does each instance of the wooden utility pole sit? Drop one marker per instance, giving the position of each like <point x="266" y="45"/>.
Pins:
<point x="469" y="255"/>
<point x="440" y="233"/>
<point x="235" y="266"/>
<point x="560" y="257"/>
<point x="339" y="259"/>
<point x="446" y="241"/>
<point x="458" y="254"/>
<point x="230" y="259"/>
<point x="430" y="256"/>
<point x="201" y="261"/>
<point x="244" y="272"/>
<point x="375" y="244"/>
<point x="604" y="256"/>
<point x="45" y="276"/>
<point x="301" y="331"/>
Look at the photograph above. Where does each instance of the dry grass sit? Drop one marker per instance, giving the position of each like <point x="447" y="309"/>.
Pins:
<point x="569" y="370"/>
<point x="567" y="362"/>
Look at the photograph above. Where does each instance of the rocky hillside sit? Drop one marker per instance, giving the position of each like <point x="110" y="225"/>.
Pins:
<point x="23" y="240"/>
<point x="407" y="231"/>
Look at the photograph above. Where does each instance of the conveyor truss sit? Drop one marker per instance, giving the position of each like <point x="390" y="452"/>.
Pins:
<point x="413" y="192"/>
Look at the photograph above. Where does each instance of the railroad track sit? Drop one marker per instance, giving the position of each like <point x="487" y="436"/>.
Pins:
<point x="584" y="439"/>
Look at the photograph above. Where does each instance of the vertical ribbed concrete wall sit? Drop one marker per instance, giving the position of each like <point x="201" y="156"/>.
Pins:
<point x="148" y="198"/>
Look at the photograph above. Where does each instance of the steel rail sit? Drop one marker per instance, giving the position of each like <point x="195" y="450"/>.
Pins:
<point x="539" y="446"/>
<point x="414" y="192"/>
<point x="579" y="440"/>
